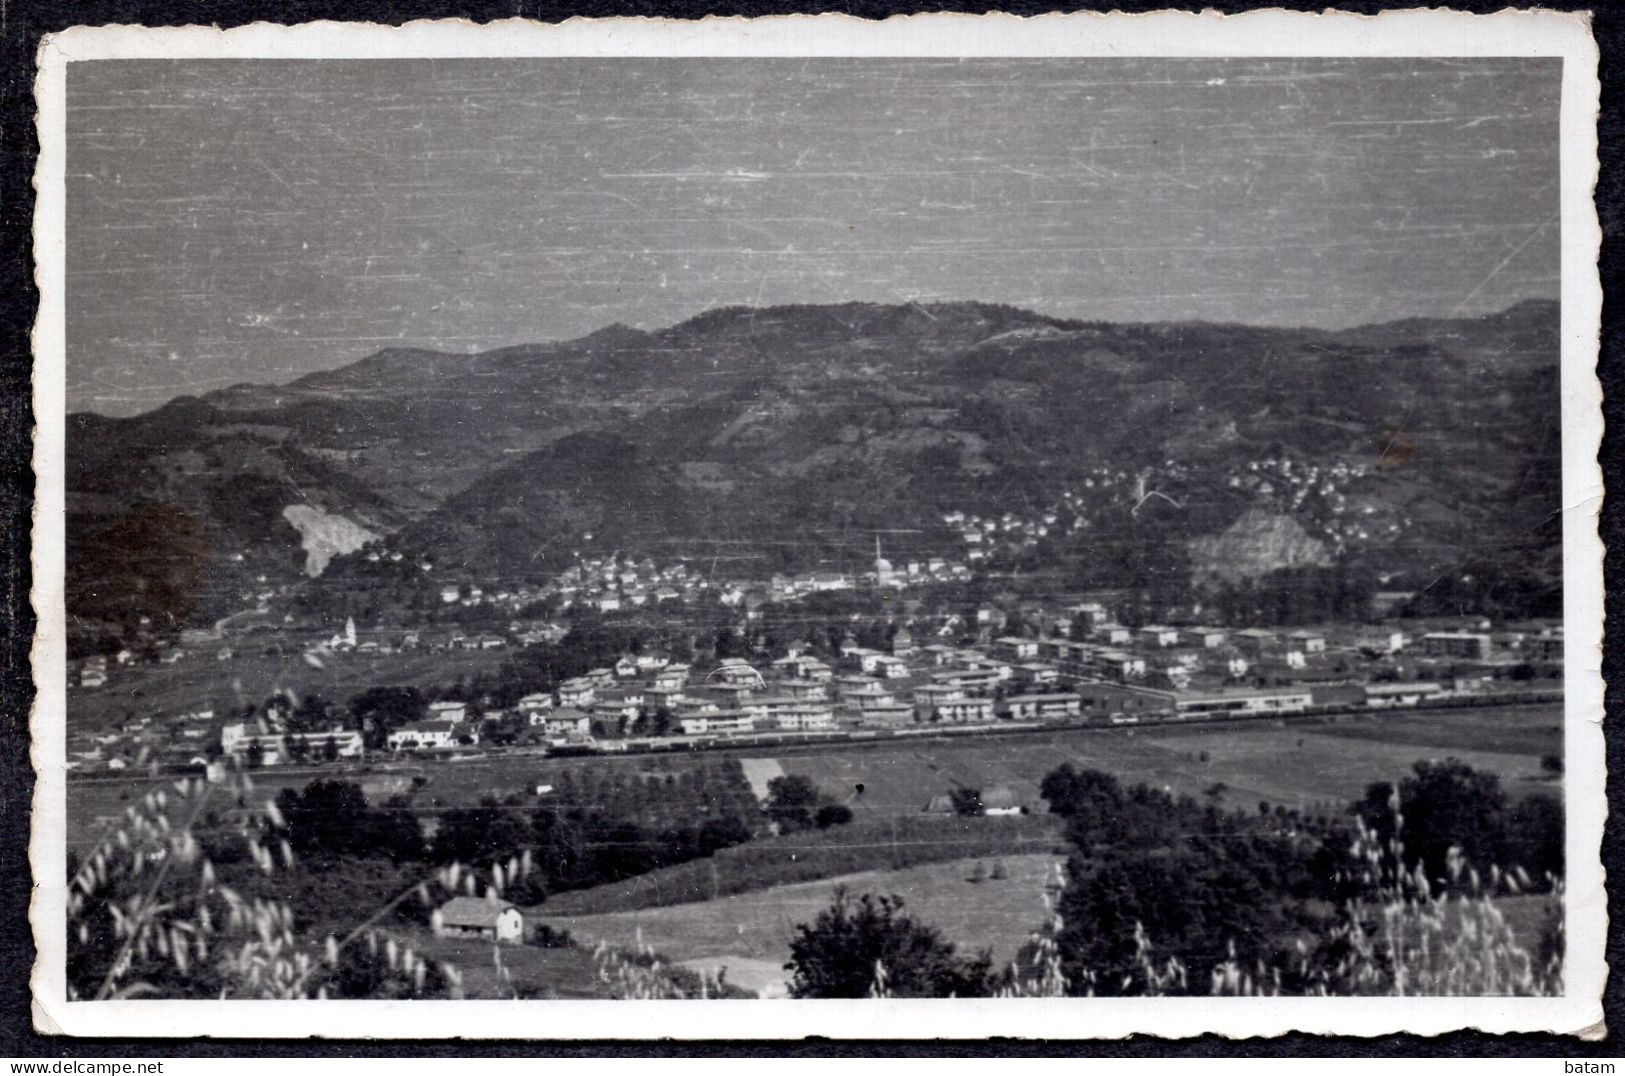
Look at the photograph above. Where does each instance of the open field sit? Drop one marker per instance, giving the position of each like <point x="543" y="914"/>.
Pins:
<point x="95" y="805"/>
<point x="1515" y="730"/>
<point x="1295" y="764"/>
<point x="750" y="933"/>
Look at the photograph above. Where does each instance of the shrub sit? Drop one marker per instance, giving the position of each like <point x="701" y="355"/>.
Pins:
<point x="859" y="948"/>
<point x="547" y="937"/>
<point x="967" y="802"/>
<point x="832" y="814"/>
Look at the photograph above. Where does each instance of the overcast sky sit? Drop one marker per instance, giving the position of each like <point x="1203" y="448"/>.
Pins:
<point x="253" y="221"/>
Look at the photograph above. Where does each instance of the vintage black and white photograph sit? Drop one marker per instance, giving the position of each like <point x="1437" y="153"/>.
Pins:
<point x="872" y="527"/>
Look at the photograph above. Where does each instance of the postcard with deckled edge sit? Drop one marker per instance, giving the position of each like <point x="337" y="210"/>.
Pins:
<point x="940" y="527"/>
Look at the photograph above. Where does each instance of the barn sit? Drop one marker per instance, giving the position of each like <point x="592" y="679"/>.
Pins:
<point x="473" y="917"/>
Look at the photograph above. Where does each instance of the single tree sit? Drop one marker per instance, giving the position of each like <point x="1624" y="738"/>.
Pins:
<point x="791" y="801"/>
<point x="967" y="802"/>
<point x="853" y="944"/>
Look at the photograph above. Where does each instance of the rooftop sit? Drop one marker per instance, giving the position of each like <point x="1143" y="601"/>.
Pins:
<point x="471" y="911"/>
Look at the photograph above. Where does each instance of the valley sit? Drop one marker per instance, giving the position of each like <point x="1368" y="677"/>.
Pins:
<point x="784" y="440"/>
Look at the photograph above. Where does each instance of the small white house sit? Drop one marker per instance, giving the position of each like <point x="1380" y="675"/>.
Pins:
<point x="472" y="917"/>
<point x="534" y="704"/>
<point x="563" y="722"/>
<point x="1157" y="635"/>
<point x="577" y="692"/>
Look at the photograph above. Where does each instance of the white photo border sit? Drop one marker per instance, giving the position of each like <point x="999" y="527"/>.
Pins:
<point x="1261" y="34"/>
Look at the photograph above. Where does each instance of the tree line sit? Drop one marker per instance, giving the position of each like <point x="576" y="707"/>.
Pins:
<point x="1157" y="882"/>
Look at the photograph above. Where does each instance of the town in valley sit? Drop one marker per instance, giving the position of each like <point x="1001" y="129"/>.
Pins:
<point x="695" y="527"/>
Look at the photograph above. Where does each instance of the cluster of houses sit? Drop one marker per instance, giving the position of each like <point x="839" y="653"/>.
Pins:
<point x="183" y="739"/>
<point x="606" y="583"/>
<point x="385" y="641"/>
<point x="94" y="671"/>
<point x="909" y="573"/>
<point x="1324" y="497"/>
<point x="1331" y="495"/>
<point x="611" y="583"/>
<point x="1102" y="489"/>
<point x="1095" y="670"/>
<point x="1070" y="663"/>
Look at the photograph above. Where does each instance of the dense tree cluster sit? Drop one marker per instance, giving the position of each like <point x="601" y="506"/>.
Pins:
<point x="591" y="831"/>
<point x="1198" y="880"/>
<point x="150" y="564"/>
<point x="332" y="819"/>
<point x="1294" y="596"/>
<point x="1205" y="886"/>
<point x="1447" y="806"/>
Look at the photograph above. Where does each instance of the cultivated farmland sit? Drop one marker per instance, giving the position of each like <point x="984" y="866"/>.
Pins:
<point x="1321" y="764"/>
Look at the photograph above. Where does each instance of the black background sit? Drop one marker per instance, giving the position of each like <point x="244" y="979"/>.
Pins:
<point x="23" y="23"/>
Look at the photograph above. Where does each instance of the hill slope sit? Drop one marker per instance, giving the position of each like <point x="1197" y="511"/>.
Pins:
<point x="784" y="437"/>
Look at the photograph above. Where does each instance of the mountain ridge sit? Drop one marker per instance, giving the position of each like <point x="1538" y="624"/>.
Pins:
<point x="620" y="334"/>
<point x="797" y="427"/>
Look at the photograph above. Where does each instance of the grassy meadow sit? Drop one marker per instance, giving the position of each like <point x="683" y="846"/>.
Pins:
<point x="749" y="933"/>
<point x="1303" y="765"/>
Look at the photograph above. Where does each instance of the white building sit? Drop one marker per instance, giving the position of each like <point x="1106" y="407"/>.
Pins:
<point x="563" y="723"/>
<point x="713" y="724"/>
<point x="577" y="692"/>
<point x="533" y="704"/>
<point x="424" y="735"/>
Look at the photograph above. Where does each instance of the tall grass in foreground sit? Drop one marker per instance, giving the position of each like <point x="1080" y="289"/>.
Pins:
<point x="641" y="974"/>
<point x="148" y="917"/>
<point x="1403" y="936"/>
